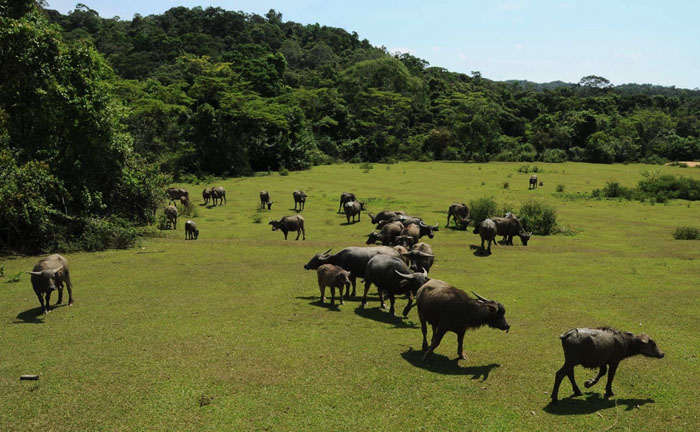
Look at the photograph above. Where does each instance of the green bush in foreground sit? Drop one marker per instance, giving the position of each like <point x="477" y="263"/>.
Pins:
<point x="538" y="217"/>
<point x="482" y="208"/>
<point x="686" y="233"/>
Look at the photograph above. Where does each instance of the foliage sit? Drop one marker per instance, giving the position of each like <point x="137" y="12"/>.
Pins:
<point x="686" y="233"/>
<point x="538" y="217"/>
<point x="560" y="187"/>
<point x="482" y="208"/>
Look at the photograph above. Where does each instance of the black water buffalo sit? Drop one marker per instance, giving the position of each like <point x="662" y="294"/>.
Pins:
<point x="533" y="182"/>
<point x="289" y="223"/>
<point x="603" y="348"/>
<point x="49" y="274"/>
<point x="402" y="250"/>
<point x="191" y="231"/>
<point x="509" y="227"/>
<point x="171" y="213"/>
<point x="218" y="193"/>
<point x="385" y="215"/>
<point x="345" y="197"/>
<point x="392" y="277"/>
<point x="405" y="240"/>
<point x="386" y="235"/>
<point x="206" y="195"/>
<point x="459" y="212"/>
<point x="405" y="220"/>
<point x="421" y="255"/>
<point x="416" y="231"/>
<point x="299" y="199"/>
<point x="352" y="259"/>
<point x="447" y="308"/>
<point x="265" y="200"/>
<point x="176" y="193"/>
<point x="487" y="230"/>
<point x="333" y="276"/>
<point x="352" y="209"/>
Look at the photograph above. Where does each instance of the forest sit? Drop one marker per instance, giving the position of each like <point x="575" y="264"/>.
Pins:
<point x="98" y="114"/>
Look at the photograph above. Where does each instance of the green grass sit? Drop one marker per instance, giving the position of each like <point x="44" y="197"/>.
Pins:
<point x="225" y="333"/>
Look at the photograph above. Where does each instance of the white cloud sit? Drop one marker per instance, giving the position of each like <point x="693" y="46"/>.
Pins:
<point x="510" y="6"/>
<point x="462" y="56"/>
<point x="518" y="46"/>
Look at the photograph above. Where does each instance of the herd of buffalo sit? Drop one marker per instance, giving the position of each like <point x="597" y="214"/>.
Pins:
<point x="400" y="267"/>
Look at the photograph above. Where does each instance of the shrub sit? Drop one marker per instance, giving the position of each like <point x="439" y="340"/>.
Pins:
<point x="686" y="233"/>
<point x="524" y="169"/>
<point x="560" y="188"/>
<point x="482" y="208"/>
<point x="366" y="166"/>
<point x="257" y="218"/>
<point x="554" y="156"/>
<point x="666" y="187"/>
<point x="505" y="185"/>
<point x="613" y="189"/>
<point x="189" y="210"/>
<point x="106" y="233"/>
<point x="283" y="171"/>
<point x="163" y="223"/>
<point x="538" y="217"/>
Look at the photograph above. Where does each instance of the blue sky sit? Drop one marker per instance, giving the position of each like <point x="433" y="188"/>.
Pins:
<point x="656" y="42"/>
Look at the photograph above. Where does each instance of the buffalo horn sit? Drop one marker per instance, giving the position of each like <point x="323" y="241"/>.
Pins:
<point x="423" y="254"/>
<point x="33" y="273"/>
<point x="480" y="298"/>
<point x="58" y="269"/>
<point x="403" y="275"/>
<point x="327" y="252"/>
<point x="425" y="273"/>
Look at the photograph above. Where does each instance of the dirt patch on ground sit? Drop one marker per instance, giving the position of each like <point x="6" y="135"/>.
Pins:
<point x="689" y="163"/>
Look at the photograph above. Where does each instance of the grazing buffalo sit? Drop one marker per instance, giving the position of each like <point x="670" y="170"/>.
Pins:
<point x="533" y="182"/>
<point x="171" y="213"/>
<point x="392" y="277"/>
<point x="289" y="223"/>
<point x="405" y="220"/>
<point x="265" y="200"/>
<point x="191" y="231"/>
<point x="184" y="202"/>
<point x="49" y="274"/>
<point x="175" y="194"/>
<point x="487" y="230"/>
<point x="206" y="195"/>
<point x="459" y="211"/>
<point x="385" y="215"/>
<point x="345" y="197"/>
<point x="386" y="235"/>
<point x="416" y="231"/>
<point x="352" y="259"/>
<point x="602" y="348"/>
<point x="352" y="209"/>
<point x="405" y="240"/>
<point x="421" y="255"/>
<point x="218" y="193"/>
<point x="299" y="199"/>
<point x="333" y="276"/>
<point x="447" y="308"/>
<point x="509" y="227"/>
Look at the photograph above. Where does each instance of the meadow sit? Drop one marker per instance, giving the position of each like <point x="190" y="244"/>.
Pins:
<point x="227" y="333"/>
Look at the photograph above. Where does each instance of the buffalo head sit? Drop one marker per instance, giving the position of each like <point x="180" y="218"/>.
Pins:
<point x="48" y="277"/>
<point x="427" y="229"/>
<point x="318" y="260"/>
<point x="497" y="318"/>
<point x="648" y="346"/>
<point x="372" y="237"/>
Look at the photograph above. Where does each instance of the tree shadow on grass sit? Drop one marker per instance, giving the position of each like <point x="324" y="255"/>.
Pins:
<point x="380" y="315"/>
<point x="592" y="403"/>
<point x="31" y="316"/>
<point x="441" y="364"/>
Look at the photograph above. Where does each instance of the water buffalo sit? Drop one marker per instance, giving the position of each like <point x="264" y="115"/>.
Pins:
<point x="289" y="223"/>
<point x="384" y="215"/>
<point x="345" y="197"/>
<point x="386" y="235"/>
<point x="299" y="199"/>
<point x="487" y="230"/>
<point x="171" y="213"/>
<point x="447" y="308"/>
<point x="352" y="259"/>
<point x="459" y="211"/>
<point x="191" y="231"/>
<point x="405" y="220"/>
<point x="421" y="255"/>
<point x="49" y="274"/>
<point x="335" y="277"/>
<point x="206" y="195"/>
<point x="509" y="227"/>
<point x="265" y="200"/>
<point x="184" y="202"/>
<point x="175" y="193"/>
<point x="533" y="182"/>
<point x="392" y="277"/>
<point x="405" y="240"/>
<point x="352" y="209"/>
<point x="218" y="193"/>
<point x="402" y="250"/>
<point x="603" y="348"/>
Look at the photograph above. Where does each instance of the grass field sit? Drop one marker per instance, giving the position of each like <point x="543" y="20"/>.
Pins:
<point x="226" y="332"/>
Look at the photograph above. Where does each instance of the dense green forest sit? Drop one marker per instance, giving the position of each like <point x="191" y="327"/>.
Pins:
<point x="94" y="110"/>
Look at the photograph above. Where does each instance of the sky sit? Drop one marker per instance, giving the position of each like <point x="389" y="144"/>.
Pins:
<point x="643" y="42"/>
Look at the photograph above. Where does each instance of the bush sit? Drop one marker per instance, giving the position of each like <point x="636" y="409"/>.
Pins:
<point x="283" y="171"/>
<point x="108" y="233"/>
<point x="163" y="222"/>
<point x="506" y="184"/>
<point x="538" y="217"/>
<point x="554" y="156"/>
<point x="257" y="218"/>
<point x="686" y="233"/>
<point x="188" y="210"/>
<point x="482" y="208"/>
<point x="560" y="188"/>
<point x="613" y="189"/>
<point x="666" y="187"/>
<point x="366" y="166"/>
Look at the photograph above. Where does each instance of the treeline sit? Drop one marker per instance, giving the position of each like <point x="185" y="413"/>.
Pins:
<point x="225" y="92"/>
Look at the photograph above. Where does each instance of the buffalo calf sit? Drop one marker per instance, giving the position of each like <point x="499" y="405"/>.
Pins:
<point x="333" y="276"/>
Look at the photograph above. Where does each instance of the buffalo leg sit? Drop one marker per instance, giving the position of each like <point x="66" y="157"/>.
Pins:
<point x="407" y="309"/>
<point x="570" y="374"/>
<point x="48" y="299"/>
<point x="69" y="285"/>
<point x="298" y="234"/>
<point x="285" y="234"/>
<point x="381" y="298"/>
<point x="303" y="231"/>
<point x="424" y="329"/>
<point x="40" y="296"/>
<point x="558" y="377"/>
<point x="438" y="333"/>
<point x="611" y="376"/>
<point x="461" y="355"/>
<point x="333" y="294"/>
<point x="392" y="300"/>
<point x="353" y="280"/>
<point x="322" y="288"/>
<point x="593" y="381"/>
<point x="368" y="283"/>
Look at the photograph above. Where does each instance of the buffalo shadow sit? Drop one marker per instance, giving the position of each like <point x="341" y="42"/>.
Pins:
<point x="592" y="402"/>
<point x="382" y="315"/>
<point x="316" y="301"/>
<point x="478" y="252"/>
<point x="442" y="364"/>
<point x="31" y="316"/>
<point x="456" y="228"/>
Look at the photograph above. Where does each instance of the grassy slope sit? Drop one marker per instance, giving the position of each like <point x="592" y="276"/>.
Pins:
<point x="231" y="321"/>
